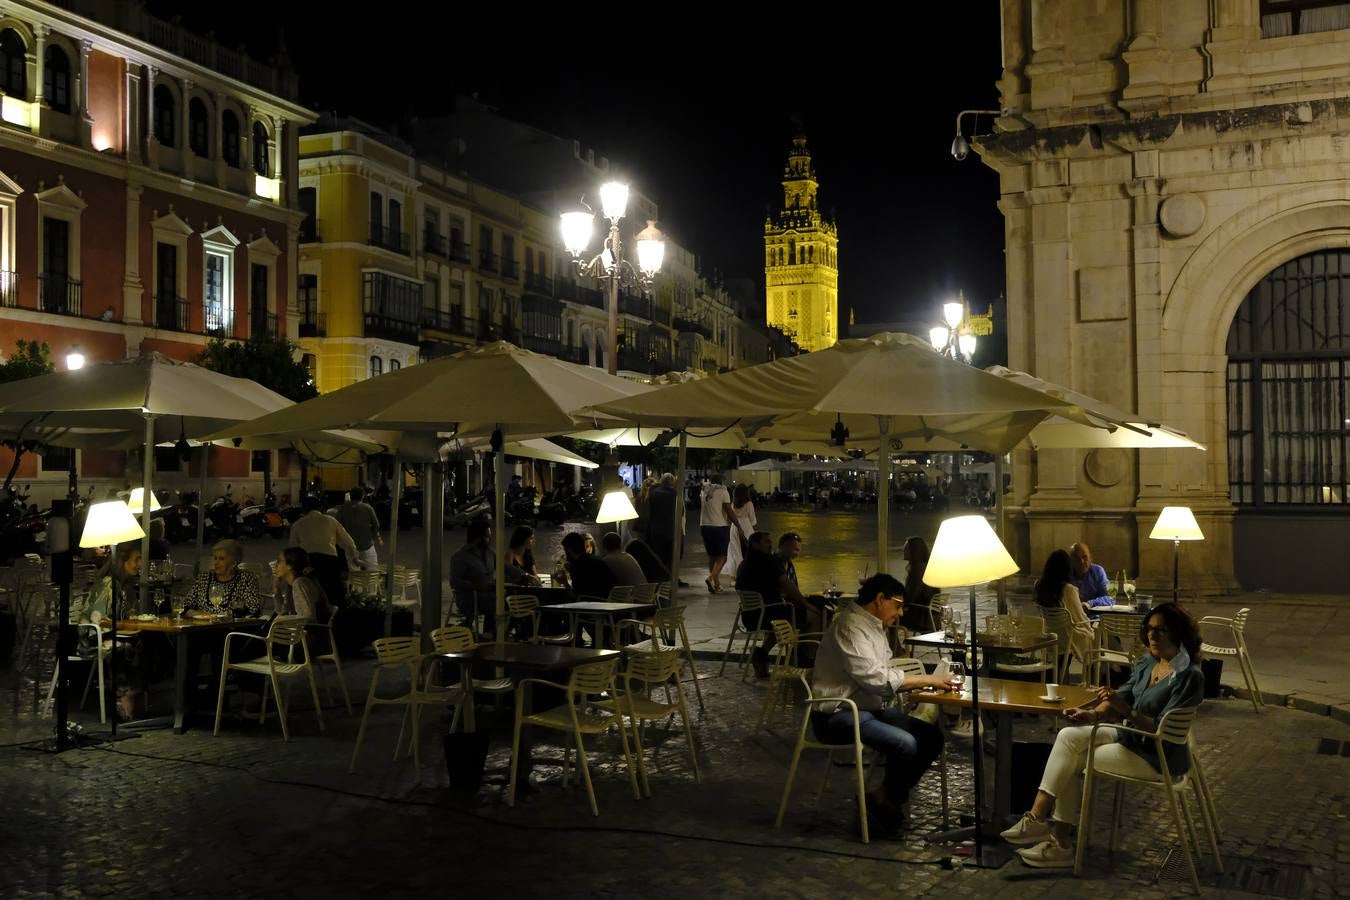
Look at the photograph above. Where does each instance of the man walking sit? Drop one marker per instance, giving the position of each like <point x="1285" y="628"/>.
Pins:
<point x="361" y="522"/>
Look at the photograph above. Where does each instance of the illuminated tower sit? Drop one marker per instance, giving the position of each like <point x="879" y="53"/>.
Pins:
<point x="801" y="259"/>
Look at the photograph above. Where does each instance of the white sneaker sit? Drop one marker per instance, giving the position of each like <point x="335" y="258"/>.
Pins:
<point x="1027" y="831"/>
<point x="1048" y="855"/>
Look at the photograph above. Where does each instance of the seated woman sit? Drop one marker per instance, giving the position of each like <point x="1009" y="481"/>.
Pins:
<point x="919" y="597"/>
<point x="520" y="558"/>
<point x="1168" y="676"/>
<point x="297" y="593"/>
<point x="114" y="594"/>
<point x="1055" y="589"/>
<point x="225" y="580"/>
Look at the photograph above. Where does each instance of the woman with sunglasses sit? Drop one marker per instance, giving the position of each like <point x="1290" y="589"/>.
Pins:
<point x="1166" y="677"/>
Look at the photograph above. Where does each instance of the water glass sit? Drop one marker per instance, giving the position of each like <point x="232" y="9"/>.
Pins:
<point x="956" y="677"/>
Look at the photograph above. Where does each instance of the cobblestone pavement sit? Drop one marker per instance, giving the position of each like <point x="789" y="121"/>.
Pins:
<point x="246" y="815"/>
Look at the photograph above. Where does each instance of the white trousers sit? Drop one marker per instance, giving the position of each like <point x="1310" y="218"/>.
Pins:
<point x="368" y="557"/>
<point x="1063" y="778"/>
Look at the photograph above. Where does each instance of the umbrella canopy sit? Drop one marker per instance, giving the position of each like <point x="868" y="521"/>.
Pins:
<point x="733" y="438"/>
<point x="470" y="394"/>
<point x="533" y="448"/>
<point x="1100" y="425"/>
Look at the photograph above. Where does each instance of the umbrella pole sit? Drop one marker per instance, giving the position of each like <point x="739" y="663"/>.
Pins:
<point x="433" y="524"/>
<point x="499" y="526"/>
<point x="201" y="507"/>
<point x="393" y="544"/>
<point x="998" y="525"/>
<point x="677" y="539"/>
<point x="147" y="503"/>
<point x="883" y="495"/>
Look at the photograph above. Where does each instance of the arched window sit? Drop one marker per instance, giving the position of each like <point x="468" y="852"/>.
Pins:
<point x="394" y="365"/>
<point x="13" y="64"/>
<point x="1289" y="386"/>
<point x="376" y="366"/>
<point x="56" y="79"/>
<point x="229" y="138"/>
<point x="199" y="127"/>
<point x="166" y="117"/>
<point x="260" y="154"/>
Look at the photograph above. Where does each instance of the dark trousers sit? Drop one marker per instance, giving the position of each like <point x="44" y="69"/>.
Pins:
<point x="328" y="571"/>
<point x="909" y="744"/>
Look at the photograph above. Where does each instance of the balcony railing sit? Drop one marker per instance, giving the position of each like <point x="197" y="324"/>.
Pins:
<point x="385" y="326"/>
<point x="635" y="305"/>
<point x="216" y="321"/>
<point x="60" y="294"/>
<point x="9" y="289"/>
<point x="263" y="323"/>
<point x="171" y="313"/>
<point x="510" y="268"/>
<point x="449" y="320"/>
<point x="689" y="326"/>
<point x="570" y="290"/>
<point x="539" y="283"/>
<point x="389" y="238"/>
<point x="488" y="262"/>
<point x="436" y="244"/>
<point x="548" y="345"/>
<point x="313" y="324"/>
<point x="459" y="252"/>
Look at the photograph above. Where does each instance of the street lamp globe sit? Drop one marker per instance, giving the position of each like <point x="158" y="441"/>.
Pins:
<point x="967" y="344"/>
<point x="614" y="200"/>
<point x="953" y="313"/>
<point x="651" y="249"/>
<point x="74" y="359"/>
<point x="577" y="229"/>
<point x="938" y="335"/>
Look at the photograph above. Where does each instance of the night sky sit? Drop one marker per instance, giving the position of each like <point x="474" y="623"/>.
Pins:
<point x="703" y="112"/>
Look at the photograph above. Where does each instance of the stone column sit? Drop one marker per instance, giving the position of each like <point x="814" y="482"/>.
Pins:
<point x="1145" y="61"/>
<point x="39" y="115"/>
<point x="1234" y="27"/>
<point x="132" y="289"/>
<point x="247" y="137"/>
<point x="132" y="108"/>
<point x="279" y="164"/>
<point x="1048" y="82"/>
<point x="82" y="98"/>
<point x="1012" y="86"/>
<point x="185" y="153"/>
<point x="218" y="141"/>
<point x="151" y="142"/>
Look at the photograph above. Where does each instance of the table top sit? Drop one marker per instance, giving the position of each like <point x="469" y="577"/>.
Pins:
<point x="170" y="624"/>
<point x="1119" y="610"/>
<point x="1006" y="695"/>
<point x="939" y="639"/>
<point x="538" y="657"/>
<point x="596" y="606"/>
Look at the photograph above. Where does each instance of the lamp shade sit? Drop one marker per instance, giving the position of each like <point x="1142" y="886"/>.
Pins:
<point x="1176" y="523"/>
<point x="967" y="344"/>
<point x="109" y="523"/>
<point x="967" y="552"/>
<point x="137" y="498"/>
<point x="953" y="313"/>
<point x="651" y="249"/>
<point x="74" y="359"/>
<point x="938" y="336"/>
<point x="614" y="199"/>
<point x="615" y="507"/>
<point x="577" y="228"/>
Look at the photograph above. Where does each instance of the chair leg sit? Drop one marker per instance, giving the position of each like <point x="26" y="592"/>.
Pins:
<point x="586" y="772"/>
<point x="314" y="693"/>
<point x="515" y="755"/>
<point x="262" y="707"/>
<point x="792" y="774"/>
<point x="693" y="670"/>
<point x="731" y="639"/>
<point x="342" y="683"/>
<point x="365" y="715"/>
<point x="1084" y="819"/>
<point x="1117" y="811"/>
<point x="1183" y="837"/>
<point x="1208" y="820"/>
<point x="688" y="734"/>
<point x="745" y="654"/>
<point x="220" y="695"/>
<point x="416" y="709"/>
<point x="102" y="690"/>
<point x="861" y="774"/>
<point x="633" y="768"/>
<point x="1250" y="677"/>
<point x="281" y="710"/>
<point x="402" y="726"/>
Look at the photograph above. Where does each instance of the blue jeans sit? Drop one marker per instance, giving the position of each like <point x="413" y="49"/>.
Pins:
<point x="909" y="744"/>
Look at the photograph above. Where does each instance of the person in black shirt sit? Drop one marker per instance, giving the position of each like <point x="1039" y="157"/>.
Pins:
<point x="762" y="572"/>
<point x="588" y="574"/>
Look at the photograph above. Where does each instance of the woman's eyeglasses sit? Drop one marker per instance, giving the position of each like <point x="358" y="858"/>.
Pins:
<point x="1161" y="630"/>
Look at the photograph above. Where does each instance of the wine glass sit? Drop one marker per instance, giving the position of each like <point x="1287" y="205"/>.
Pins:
<point x="217" y="597"/>
<point x="956" y="677"/>
<point x="179" y="607"/>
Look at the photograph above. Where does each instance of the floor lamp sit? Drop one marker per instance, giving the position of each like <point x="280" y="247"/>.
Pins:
<point x="108" y="524"/>
<point x="967" y="553"/>
<point x="1176" y="524"/>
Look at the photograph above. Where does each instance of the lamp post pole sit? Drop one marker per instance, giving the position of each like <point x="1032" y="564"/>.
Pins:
<point x="616" y="248"/>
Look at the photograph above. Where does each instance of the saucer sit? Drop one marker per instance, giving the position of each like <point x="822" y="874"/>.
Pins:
<point x="1048" y="699"/>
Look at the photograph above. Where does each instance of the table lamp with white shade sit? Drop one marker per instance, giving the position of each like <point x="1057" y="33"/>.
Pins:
<point x="137" y="499"/>
<point x="1176" y="524"/>
<point x="615" y="507"/>
<point x="968" y="553"/>
<point x="108" y="524"/>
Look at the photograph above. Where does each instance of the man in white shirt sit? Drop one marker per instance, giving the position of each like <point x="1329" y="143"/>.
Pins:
<point x="853" y="662"/>
<point x="715" y="524"/>
<point x="320" y="535"/>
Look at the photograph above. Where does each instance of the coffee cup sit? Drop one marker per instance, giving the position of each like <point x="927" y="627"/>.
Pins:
<point x="1052" y="691"/>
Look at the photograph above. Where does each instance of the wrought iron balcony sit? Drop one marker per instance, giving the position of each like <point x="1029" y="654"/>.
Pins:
<point x="171" y="313"/>
<point x="59" y="293"/>
<point x="390" y="238"/>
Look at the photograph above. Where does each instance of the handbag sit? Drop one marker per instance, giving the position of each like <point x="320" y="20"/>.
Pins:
<point x="465" y="758"/>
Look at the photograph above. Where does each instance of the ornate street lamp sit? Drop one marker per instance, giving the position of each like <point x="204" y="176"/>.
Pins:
<point x="577" y="230"/>
<point x="956" y="338"/>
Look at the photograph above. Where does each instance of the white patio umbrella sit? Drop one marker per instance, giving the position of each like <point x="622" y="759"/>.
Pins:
<point x="139" y="402"/>
<point x="887" y="389"/>
<point x="532" y="448"/>
<point x="490" y="390"/>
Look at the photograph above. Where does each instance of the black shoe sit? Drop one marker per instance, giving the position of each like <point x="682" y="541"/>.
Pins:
<point x="885" y="820"/>
<point x="760" y="660"/>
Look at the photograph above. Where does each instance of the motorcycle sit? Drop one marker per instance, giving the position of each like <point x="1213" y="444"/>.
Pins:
<point x="551" y="509"/>
<point x="256" y="519"/>
<point x="473" y="508"/>
<point x="221" y="516"/>
<point x="522" y="508"/>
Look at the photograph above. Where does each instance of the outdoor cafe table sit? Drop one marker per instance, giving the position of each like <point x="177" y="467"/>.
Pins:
<point x="599" y="611"/>
<point x="1003" y="697"/>
<point x="1000" y="645"/>
<point x="184" y="632"/>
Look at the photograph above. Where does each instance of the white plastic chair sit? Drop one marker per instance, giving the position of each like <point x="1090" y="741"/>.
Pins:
<point x="910" y="667"/>
<point x="96" y="667"/>
<point x="331" y="656"/>
<point x="1174" y="728"/>
<point x="1235" y="628"/>
<point x="525" y="608"/>
<point x="285" y="632"/>
<point x="644" y="671"/>
<point x="805" y="743"/>
<point x="752" y="603"/>
<point x="785" y="668"/>
<point x="664" y="629"/>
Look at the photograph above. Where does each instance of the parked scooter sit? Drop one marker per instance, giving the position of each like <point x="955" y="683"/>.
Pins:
<point x="221" y="513"/>
<point x="256" y="519"/>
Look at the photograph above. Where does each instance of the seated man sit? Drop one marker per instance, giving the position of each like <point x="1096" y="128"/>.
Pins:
<point x="622" y="566"/>
<point x="854" y="662"/>
<point x="1088" y="577"/>
<point x="586" y="573"/>
<point x="762" y="572"/>
<point x="810" y="610"/>
<point x="473" y="576"/>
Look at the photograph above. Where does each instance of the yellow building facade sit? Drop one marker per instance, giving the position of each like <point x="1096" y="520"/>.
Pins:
<point x="801" y="259"/>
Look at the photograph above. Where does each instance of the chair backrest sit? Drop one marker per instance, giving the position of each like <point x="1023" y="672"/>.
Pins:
<point x="670" y="617"/>
<point x="1056" y="622"/>
<point x="1240" y="619"/>
<point x="662" y="597"/>
<point x="621" y="593"/>
<point x="452" y="639"/>
<point x="1175" y="727"/>
<point x="784" y="631"/>
<point x="397" y="649"/>
<point x="653" y="668"/>
<point x="288" y="631"/>
<point x="751" y="601"/>
<point x="522" y="606"/>
<point x="1124" y="626"/>
<point x="909" y="666"/>
<point x="644" y="593"/>
<point x="593" y="678"/>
